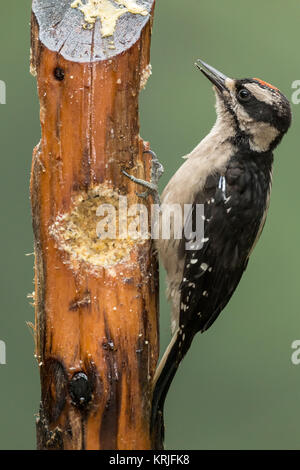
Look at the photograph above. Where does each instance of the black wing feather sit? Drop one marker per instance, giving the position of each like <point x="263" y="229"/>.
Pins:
<point x="234" y="205"/>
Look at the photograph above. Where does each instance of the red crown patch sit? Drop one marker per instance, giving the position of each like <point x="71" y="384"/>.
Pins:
<point x="265" y="83"/>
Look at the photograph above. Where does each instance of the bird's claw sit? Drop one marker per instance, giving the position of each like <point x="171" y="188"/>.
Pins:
<point x="157" y="170"/>
<point x="143" y="195"/>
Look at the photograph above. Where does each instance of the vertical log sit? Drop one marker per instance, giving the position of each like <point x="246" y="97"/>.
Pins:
<point x="96" y="300"/>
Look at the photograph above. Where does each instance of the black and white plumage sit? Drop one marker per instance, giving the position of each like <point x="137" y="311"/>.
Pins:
<point x="234" y="208"/>
<point x="230" y="172"/>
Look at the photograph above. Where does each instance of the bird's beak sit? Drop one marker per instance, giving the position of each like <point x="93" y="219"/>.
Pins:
<point x="216" y="77"/>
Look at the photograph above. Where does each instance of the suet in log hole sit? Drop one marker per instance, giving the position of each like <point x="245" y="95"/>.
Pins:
<point x="108" y="12"/>
<point x="76" y="232"/>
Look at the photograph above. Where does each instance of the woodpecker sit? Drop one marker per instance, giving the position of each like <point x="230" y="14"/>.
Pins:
<point x="230" y="173"/>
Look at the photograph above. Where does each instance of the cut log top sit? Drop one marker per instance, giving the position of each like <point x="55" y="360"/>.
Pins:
<point x="90" y="30"/>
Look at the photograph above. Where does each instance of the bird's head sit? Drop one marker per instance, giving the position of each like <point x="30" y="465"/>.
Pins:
<point x="258" y="113"/>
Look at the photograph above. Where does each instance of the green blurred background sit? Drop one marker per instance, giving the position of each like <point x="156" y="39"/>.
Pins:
<point x="237" y="389"/>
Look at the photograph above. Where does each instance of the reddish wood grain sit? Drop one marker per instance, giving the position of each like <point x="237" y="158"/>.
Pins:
<point x="97" y="329"/>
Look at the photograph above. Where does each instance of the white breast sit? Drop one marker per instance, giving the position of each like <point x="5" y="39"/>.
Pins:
<point x="211" y="155"/>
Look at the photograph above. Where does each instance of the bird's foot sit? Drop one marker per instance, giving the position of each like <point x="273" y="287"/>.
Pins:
<point x="151" y="187"/>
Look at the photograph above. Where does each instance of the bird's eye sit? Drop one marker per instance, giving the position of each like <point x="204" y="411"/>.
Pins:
<point x="244" y="95"/>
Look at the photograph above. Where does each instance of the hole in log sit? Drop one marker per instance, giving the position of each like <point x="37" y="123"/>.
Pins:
<point x="59" y="74"/>
<point x="80" y="390"/>
<point x="100" y="238"/>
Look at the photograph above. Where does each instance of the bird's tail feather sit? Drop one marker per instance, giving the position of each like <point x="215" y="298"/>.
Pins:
<point x="163" y="379"/>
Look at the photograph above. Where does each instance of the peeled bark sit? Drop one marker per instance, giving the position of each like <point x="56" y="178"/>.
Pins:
<point x="96" y="301"/>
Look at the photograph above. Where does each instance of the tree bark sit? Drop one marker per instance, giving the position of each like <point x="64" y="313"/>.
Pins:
<point x="96" y="300"/>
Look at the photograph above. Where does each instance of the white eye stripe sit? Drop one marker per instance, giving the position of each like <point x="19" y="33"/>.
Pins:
<point x="260" y="94"/>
